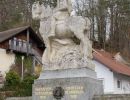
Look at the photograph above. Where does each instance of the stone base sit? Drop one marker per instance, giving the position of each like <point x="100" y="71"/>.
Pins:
<point x="76" y="85"/>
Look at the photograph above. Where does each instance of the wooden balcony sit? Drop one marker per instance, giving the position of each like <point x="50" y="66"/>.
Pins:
<point x="20" y="46"/>
<point x="23" y="47"/>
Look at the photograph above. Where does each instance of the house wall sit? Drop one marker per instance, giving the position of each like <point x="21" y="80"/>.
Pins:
<point x="104" y="74"/>
<point x="35" y="46"/>
<point x="4" y="45"/>
<point x="6" y="60"/>
<point x="125" y="84"/>
<point x="22" y="36"/>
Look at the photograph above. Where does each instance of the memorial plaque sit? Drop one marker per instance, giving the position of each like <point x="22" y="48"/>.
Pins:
<point x="58" y="93"/>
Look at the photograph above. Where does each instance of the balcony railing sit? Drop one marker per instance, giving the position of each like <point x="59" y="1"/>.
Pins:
<point x="20" y="46"/>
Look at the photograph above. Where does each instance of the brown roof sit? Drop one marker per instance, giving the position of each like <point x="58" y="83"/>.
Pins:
<point x="108" y="60"/>
<point x="12" y="32"/>
<point x="9" y="33"/>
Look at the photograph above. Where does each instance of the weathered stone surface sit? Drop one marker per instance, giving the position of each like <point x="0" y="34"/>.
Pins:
<point x="68" y="73"/>
<point x="58" y="29"/>
<point x="76" y="88"/>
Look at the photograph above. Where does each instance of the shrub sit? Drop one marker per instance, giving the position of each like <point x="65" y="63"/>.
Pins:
<point x="27" y="84"/>
<point x="29" y="79"/>
<point x="25" y="88"/>
<point x="12" y="80"/>
<point x="15" y="87"/>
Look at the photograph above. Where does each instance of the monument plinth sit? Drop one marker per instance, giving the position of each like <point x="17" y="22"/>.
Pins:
<point x="68" y="71"/>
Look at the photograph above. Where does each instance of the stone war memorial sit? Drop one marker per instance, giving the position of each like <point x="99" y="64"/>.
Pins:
<point x="68" y="71"/>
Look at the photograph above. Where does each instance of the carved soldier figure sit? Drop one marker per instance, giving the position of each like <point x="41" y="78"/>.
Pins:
<point x="61" y="13"/>
<point x="58" y="24"/>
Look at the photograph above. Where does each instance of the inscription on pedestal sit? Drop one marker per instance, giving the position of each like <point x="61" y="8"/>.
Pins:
<point x="72" y="91"/>
<point x="43" y="92"/>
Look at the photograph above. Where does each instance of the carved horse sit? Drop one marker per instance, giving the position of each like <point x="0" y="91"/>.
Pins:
<point x="65" y="26"/>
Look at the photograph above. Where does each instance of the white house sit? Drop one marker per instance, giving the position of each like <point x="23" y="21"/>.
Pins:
<point x="115" y="75"/>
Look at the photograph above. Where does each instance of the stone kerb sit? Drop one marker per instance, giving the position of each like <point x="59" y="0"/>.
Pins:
<point x="19" y="98"/>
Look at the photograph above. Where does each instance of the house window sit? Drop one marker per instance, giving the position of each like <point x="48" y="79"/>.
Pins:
<point x="118" y="84"/>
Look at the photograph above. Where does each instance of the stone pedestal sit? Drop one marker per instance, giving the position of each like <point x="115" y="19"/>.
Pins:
<point x="67" y="84"/>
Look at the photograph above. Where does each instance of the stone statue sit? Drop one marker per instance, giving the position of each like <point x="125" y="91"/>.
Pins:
<point x="60" y="30"/>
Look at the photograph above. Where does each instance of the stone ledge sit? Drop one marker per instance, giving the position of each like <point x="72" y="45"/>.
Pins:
<point x="68" y="73"/>
<point x="19" y="98"/>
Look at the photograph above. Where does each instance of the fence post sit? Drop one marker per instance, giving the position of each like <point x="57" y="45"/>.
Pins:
<point x="22" y="67"/>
